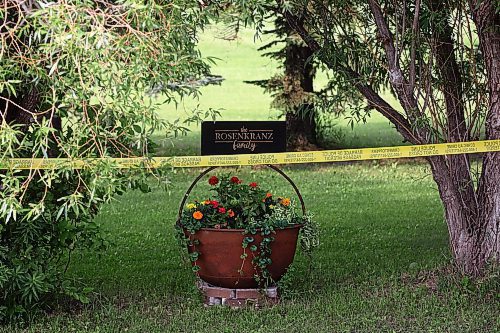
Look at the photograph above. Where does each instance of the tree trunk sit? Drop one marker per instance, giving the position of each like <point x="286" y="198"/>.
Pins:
<point x="300" y="132"/>
<point x="475" y="234"/>
<point x="473" y="216"/>
<point x="20" y="110"/>
<point x="464" y="224"/>
<point x="453" y="177"/>
<point x="298" y="85"/>
<point x="488" y="24"/>
<point x="489" y="197"/>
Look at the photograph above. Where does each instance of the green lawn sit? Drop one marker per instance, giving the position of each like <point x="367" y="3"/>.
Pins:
<point x="239" y="61"/>
<point x="383" y="241"/>
<point x="380" y="268"/>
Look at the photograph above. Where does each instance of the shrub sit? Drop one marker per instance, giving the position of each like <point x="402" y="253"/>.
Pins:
<point x="74" y="78"/>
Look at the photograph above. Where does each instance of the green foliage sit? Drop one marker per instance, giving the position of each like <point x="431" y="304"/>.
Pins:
<point x="75" y="81"/>
<point x="29" y="269"/>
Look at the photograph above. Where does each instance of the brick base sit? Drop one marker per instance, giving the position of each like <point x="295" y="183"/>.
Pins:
<point x="238" y="298"/>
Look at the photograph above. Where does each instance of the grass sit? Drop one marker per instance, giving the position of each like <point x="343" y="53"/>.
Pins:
<point x="382" y="265"/>
<point x="240" y="61"/>
<point x="383" y="240"/>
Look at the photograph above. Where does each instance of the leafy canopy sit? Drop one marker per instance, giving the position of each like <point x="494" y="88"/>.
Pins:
<point x="77" y="79"/>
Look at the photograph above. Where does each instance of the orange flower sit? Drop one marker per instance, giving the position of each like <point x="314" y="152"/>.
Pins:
<point x="268" y="195"/>
<point x="230" y="213"/>
<point x="198" y="215"/>
<point x="285" y="202"/>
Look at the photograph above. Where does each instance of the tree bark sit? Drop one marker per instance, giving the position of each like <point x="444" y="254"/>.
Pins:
<point x="464" y="225"/>
<point x="20" y="110"/>
<point x="300" y="131"/>
<point x="457" y="188"/>
<point x="298" y="83"/>
<point x="487" y="21"/>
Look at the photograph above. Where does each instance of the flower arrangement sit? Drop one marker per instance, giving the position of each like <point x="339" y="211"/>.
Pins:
<point x="238" y="206"/>
<point x="252" y="209"/>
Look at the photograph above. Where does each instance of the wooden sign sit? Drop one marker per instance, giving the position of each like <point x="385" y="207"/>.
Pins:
<point x="242" y="137"/>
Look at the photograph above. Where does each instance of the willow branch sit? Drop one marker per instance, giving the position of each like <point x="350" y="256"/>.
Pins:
<point x="413" y="45"/>
<point x="374" y="99"/>
<point x="398" y="82"/>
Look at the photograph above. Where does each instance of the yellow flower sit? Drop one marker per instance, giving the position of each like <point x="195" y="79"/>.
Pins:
<point x="285" y="202"/>
<point x="191" y="206"/>
<point x="271" y="206"/>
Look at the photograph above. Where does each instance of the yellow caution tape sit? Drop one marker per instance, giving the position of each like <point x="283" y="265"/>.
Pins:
<point x="258" y="159"/>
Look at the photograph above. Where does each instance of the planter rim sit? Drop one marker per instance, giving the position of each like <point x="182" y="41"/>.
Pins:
<point x="300" y="225"/>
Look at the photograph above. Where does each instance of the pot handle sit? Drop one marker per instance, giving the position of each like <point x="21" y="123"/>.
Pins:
<point x="184" y="199"/>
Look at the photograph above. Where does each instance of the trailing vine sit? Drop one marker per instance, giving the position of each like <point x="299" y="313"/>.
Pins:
<point x="252" y="210"/>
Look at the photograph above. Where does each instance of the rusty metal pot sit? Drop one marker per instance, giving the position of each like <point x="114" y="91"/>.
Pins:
<point x="220" y="250"/>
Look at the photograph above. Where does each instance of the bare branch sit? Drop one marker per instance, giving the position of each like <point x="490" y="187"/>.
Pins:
<point x="374" y="99"/>
<point x="396" y="77"/>
<point x="450" y="76"/>
<point x="413" y="45"/>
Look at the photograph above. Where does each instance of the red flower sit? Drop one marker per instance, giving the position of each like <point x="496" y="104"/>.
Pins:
<point x="214" y="203"/>
<point x="213" y="180"/>
<point x="222" y="210"/>
<point x="235" y="180"/>
<point x="254" y="185"/>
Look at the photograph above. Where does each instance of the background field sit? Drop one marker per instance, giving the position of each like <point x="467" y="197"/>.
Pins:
<point x="381" y="267"/>
<point x="240" y="61"/>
